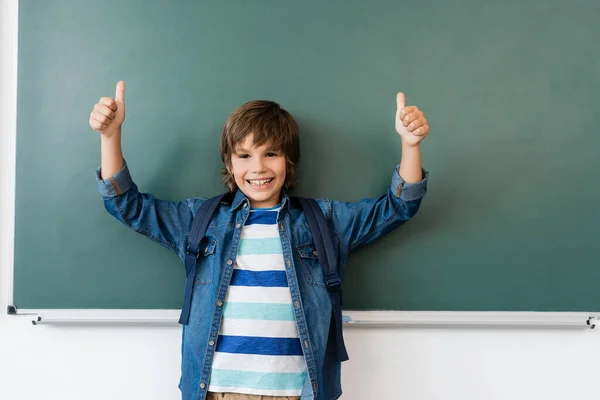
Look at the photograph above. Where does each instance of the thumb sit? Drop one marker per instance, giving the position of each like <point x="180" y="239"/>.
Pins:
<point x="120" y="95"/>
<point x="400" y="101"/>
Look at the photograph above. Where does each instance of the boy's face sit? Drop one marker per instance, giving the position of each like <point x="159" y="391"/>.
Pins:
<point x="259" y="172"/>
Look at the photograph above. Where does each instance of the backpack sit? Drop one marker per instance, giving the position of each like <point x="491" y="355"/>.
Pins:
<point x="325" y="250"/>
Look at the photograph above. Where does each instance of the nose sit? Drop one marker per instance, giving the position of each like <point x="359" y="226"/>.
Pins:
<point x="258" y="165"/>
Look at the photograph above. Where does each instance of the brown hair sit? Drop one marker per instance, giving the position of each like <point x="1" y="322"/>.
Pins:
<point x="269" y="123"/>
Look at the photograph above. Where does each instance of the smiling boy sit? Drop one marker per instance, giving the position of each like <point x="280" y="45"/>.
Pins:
<point x="260" y="314"/>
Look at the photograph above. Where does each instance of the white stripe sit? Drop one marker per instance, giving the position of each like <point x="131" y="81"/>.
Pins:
<point x="260" y="231"/>
<point x="257" y="294"/>
<point x="258" y="363"/>
<point x="276" y="209"/>
<point x="260" y="262"/>
<point x="264" y="392"/>
<point x="258" y="328"/>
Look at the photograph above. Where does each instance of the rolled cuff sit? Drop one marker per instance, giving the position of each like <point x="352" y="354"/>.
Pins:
<point x="115" y="185"/>
<point x="408" y="191"/>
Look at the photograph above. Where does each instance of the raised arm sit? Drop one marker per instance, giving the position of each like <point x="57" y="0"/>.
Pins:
<point x="362" y="222"/>
<point x="412" y="126"/>
<point x="165" y="222"/>
<point x="107" y="118"/>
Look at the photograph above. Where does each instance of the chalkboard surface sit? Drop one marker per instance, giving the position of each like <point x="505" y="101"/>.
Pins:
<point x="511" y="89"/>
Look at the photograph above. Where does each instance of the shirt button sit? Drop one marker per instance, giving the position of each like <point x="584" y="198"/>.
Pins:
<point x="306" y="344"/>
<point x="202" y="386"/>
<point x="281" y="225"/>
<point x="297" y="303"/>
<point x="245" y="205"/>
<point x="229" y="262"/>
<point x="238" y="226"/>
<point x="211" y="343"/>
<point x="316" y="253"/>
<point x="220" y="303"/>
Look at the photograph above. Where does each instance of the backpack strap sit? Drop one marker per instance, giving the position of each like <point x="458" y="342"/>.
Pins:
<point x="327" y="258"/>
<point x="192" y="253"/>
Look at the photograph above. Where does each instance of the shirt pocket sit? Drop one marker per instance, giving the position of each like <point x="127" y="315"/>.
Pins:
<point x="309" y="263"/>
<point x="206" y="262"/>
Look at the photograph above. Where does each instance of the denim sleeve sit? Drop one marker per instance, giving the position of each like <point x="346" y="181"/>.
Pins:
<point x="165" y="222"/>
<point x="362" y="222"/>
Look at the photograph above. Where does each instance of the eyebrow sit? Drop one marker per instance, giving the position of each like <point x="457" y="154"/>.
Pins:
<point x="243" y="150"/>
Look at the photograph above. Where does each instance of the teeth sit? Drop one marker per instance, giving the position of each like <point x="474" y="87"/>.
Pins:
<point x="260" y="181"/>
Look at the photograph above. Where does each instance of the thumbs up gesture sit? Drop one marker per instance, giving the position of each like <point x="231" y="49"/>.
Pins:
<point x="411" y="124"/>
<point x="108" y="114"/>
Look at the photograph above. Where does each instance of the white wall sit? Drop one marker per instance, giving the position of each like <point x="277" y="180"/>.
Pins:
<point x="74" y="363"/>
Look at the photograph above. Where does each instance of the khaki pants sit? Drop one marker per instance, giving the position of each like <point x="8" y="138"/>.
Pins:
<point x="239" y="396"/>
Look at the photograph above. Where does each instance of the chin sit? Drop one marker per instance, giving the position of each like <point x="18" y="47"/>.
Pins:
<point x="263" y="197"/>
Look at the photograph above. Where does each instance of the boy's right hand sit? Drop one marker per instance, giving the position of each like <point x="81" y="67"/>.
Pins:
<point x="108" y="115"/>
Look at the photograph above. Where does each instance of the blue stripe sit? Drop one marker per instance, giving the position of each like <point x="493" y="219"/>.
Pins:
<point x="260" y="246"/>
<point x="260" y="311"/>
<point x="265" y="346"/>
<point x="242" y="277"/>
<point x="258" y="380"/>
<point x="262" y="217"/>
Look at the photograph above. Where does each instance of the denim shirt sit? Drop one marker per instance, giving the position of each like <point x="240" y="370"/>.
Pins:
<point x="168" y="223"/>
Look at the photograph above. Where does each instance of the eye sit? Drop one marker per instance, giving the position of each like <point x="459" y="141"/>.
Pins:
<point x="272" y="154"/>
<point x="243" y="156"/>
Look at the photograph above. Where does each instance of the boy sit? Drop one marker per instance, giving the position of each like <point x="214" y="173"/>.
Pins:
<point x="259" y="317"/>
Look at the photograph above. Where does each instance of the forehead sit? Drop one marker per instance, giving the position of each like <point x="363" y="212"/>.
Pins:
<point x="248" y="144"/>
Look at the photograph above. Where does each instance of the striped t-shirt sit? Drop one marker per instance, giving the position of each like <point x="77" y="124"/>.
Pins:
<point x="258" y="348"/>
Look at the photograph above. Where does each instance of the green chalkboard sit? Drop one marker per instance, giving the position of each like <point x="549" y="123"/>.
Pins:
<point x="511" y="90"/>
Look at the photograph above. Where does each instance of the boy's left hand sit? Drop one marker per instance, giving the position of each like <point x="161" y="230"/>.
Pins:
<point x="411" y="124"/>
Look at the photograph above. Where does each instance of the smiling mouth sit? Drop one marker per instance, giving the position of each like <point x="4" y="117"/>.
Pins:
<point x="259" y="182"/>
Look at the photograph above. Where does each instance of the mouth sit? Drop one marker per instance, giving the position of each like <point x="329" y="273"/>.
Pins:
<point x="260" y="183"/>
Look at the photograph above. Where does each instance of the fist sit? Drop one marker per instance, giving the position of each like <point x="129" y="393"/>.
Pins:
<point x="108" y="114"/>
<point x="411" y="124"/>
